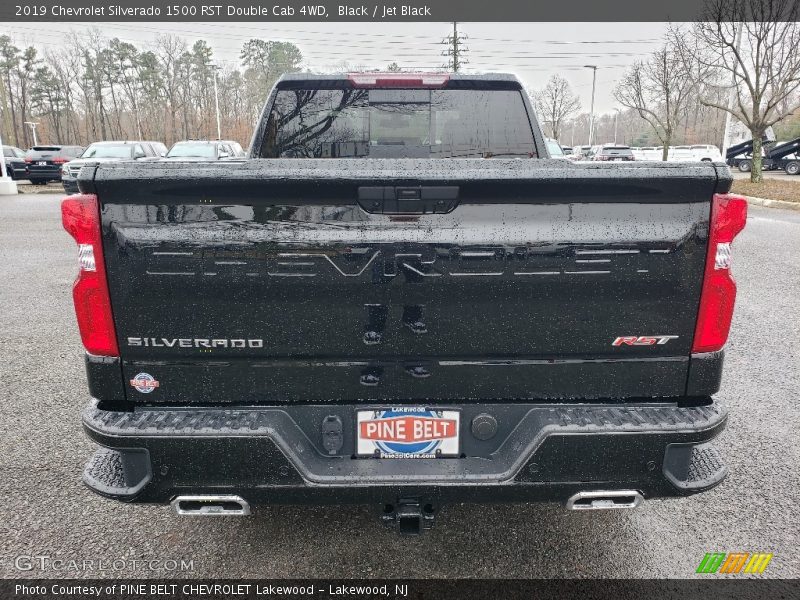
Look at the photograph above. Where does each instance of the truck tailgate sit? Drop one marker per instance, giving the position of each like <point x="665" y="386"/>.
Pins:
<point x="340" y="280"/>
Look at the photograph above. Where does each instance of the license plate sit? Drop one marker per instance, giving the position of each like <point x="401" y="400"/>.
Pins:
<point x="407" y="432"/>
<point x="42" y="163"/>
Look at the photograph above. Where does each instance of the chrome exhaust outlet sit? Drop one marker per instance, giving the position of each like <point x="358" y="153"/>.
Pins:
<point x="605" y="500"/>
<point x="211" y="506"/>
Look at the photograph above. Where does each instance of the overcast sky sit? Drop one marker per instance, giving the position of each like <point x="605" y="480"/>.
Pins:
<point x="534" y="51"/>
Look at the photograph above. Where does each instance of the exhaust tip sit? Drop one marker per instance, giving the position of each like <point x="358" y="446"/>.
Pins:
<point x="599" y="500"/>
<point x="211" y="506"/>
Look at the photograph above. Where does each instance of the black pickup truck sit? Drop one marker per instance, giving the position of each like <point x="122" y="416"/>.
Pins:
<point x="400" y="299"/>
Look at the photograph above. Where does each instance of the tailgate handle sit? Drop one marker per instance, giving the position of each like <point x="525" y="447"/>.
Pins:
<point x="409" y="193"/>
<point x="408" y="200"/>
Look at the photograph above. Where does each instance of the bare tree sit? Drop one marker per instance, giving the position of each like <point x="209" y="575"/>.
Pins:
<point x="753" y="46"/>
<point x="555" y="103"/>
<point x="112" y="89"/>
<point x="169" y="51"/>
<point x="658" y="89"/>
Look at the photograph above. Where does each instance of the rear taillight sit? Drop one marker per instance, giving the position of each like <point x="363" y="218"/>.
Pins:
<point x="28" y="160"/>
<point x="728" y="218"/>
<point x="60" y="161"/>
<point x="80" y="215"/>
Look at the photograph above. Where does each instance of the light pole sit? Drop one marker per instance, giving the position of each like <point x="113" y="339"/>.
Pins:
<point x="33" y="129"/>
<point x="615" y="125"/>
<point x="591" y="111"/>
<point x="216" y="103"/>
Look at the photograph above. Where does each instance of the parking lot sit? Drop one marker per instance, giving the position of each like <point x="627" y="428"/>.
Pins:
<point x="781" y="175"/>
<point x="47" y="511"/>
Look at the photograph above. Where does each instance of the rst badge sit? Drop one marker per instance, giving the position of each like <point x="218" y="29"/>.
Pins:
<point x="407" y="432"/>
<point x="643" y="340"/>
<point x="144" y="383"/>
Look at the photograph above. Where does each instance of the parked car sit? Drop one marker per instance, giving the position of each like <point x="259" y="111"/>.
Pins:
<point x="614" y="154"/>
<point x="783" y="155"/>
<point x="593" y="151"/>
<point x="647" y="153"/>
<point x="45" y="162"/>
<point x="792" y="166"/>
<point x="740" y="155"/>
<point x="706" y="153"/>
<point x="205" y="150"/>
<point x="15" y="162"/>
<point x="160" y="148"/>
<point x="100" y="152"/>
<point x="581" y="152"/>
<point x="403" y="332"/>
<point x="680" y="154"/>
<point x="567" y="150"/>
<point x="554" y="148"/>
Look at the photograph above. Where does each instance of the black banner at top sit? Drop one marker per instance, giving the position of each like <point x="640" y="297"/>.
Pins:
<point x="353" y="10"/>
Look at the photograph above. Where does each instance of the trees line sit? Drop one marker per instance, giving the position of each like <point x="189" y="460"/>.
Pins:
<point x="741" y="60"/>
<point x="95" y="88"/>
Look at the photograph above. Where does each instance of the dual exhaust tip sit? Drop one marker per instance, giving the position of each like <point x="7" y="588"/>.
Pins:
<point x="236" y="506"/>
<point x="600" y="500"/>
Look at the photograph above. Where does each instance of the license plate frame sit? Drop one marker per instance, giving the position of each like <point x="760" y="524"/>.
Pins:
<point x="413" y="432"/>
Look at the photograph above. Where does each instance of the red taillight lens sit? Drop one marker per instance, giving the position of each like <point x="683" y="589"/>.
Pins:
<point x="728" y="218"/>
<point x="80" y="215"/>
<point x="60" y="161"/>
<point x="398" y="80"/>
<point x="28" y="160"/>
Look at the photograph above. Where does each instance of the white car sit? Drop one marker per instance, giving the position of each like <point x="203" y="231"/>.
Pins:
<point x="680" y="154"/>
<point x="706" y="153"/>
<point x="580" y="153"/>
<point x="697" y="152"/>
<point x="648" y="153"/>
<point x="554" y="148"/>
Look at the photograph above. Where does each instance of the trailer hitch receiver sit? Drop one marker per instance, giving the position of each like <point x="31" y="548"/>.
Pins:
<point x="410" y="516"/>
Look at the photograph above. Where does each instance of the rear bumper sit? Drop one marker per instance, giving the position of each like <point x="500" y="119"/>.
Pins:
<point x="44" y="173"/>
<point x="70" y="185"/>
<point x="275" y="455"/>
<point x="16" y="171"/>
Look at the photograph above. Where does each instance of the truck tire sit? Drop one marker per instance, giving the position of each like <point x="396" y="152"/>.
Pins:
<point x="793" y="167"/>
<point x="745" y="166"/>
